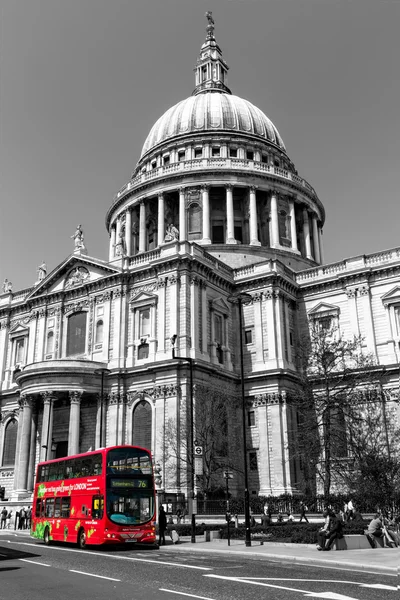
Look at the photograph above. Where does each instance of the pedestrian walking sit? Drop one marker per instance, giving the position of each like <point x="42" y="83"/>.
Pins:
<point x="162" y="525"/>
<point x="178" y="516"/>
<point x="303" y="509"/>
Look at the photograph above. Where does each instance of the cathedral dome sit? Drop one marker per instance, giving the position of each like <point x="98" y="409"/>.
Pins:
<point x="212" y="111"/>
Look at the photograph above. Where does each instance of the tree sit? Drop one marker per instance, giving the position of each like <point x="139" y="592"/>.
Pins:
<point x="217" y="430"/>
<point x="335" y="376"/>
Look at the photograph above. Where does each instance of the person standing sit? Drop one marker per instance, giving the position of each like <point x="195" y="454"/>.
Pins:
<point x="162" y="525"/>
<point x="4" y="514"/>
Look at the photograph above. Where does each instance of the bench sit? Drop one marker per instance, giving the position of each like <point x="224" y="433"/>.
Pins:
<point x="209" y="536"/>
<point x="352" y="542"/>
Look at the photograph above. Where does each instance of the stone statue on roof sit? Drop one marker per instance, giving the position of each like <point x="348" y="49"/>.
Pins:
<point x="42" y="271"/>
<point x="78" y="239"/>
<point x="210" y="17"/>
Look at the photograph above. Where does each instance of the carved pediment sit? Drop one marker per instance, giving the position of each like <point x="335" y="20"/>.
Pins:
<point x="220" y="304"/>
<point x="75" y="271"/>
<point x="392" y="297"/>
<point x="142" y="298"/>
<point x="323" y="309"/>
<point x="17" y="329"/>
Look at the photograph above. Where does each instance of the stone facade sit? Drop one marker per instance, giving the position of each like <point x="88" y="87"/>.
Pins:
<point x="214" y="207"/>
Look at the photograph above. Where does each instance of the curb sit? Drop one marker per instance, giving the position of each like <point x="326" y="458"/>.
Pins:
<point x="345" y="566"/>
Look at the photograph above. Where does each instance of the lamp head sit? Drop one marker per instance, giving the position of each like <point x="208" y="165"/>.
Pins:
<point x="173" y="339"/>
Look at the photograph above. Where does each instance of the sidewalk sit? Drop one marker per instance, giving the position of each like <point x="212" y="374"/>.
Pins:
<point x="382" y="560"/>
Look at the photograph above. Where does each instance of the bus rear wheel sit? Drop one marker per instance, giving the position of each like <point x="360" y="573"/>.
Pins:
<point x="82" y="539"/>
<point x="46" y="536"/>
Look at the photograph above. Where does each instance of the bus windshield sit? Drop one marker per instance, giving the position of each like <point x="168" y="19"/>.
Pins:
<point x="129" y="491"/>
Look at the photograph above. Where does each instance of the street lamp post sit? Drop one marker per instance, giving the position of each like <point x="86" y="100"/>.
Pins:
<point x="240" y="299"/>
<point x="192" y="473"/>
<point x="104" y="373"/>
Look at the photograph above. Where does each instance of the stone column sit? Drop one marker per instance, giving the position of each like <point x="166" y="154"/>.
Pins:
<point x="204" y="344"/>
<point x="118" y="226"/>
<point x="230" y="223"/>
<point x="74" y="422"/>
<point x="293" y="233"/>
<point x="182" y="216"/>
<point x="315" y="238"/>
<point x="206" y="214"/>
<point x="271" y="326"/>
<point x="128" y="233"/>
<point x="194" y="309"/>
<point x="161" y="219"/>
<point x="321" y="248"/>
<point x="23" y="456"/>
<point x="306" y="231"/>
<point x="113" y="405"/>
<point x="112" y="242"/>
<point x="32" y="450"/>
<point x="274" y="220"/>
<point x="254" y="241"/>
<point x="142" y="227"/>
<point x="365" y="300"/>
<point x="47" y="425"/>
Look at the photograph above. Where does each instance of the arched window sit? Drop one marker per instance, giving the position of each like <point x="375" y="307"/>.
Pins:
<point x="76" y="334"/>
<point x="142" y="425"/>
<point x="50" y="343"/>
<point x="99" y="332"/>
<point x="10" y="443"/>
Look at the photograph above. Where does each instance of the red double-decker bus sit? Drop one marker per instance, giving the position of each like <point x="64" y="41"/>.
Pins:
<point x="101" y="497"/>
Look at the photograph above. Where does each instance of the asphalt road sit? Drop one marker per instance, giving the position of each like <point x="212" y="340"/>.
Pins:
<point x="30" y="570"/>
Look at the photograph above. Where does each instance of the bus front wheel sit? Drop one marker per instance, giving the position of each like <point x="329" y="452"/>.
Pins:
<point x="82" y="539"/>
<point x="46" y="536"/>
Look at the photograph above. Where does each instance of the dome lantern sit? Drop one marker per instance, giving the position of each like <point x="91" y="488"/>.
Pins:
<point x="211" y="70"/>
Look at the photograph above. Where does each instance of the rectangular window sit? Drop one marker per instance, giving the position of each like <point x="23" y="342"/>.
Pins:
<point x="217" y="234"/>
<point x="253" y="461"/>
<point x="19" y="350"/>
<point x="218" y="329"/>
<point x="181" y="155"/>
<point x="39" y="508"/>
<point x="264" y="158"/>
<point x="248" y="336"/>
<point x="49" y="511"/>
<point x="233" y="152"/>
<point x="250" y="155"/>
<point x="57" y="508"/>
<point x="144" y="322"/>
<point x="198" y="152"/>
<point x="251" y="418"/>
<point x="215" y="151"/>
<point x="154" y="164"/>
<point x="166" y="160"/>
<point x="65" y="507"/>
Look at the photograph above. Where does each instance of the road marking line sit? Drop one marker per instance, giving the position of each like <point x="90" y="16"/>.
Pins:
<point x="93" y="575"/>
<point x="183" y="594"/>
<point x="129" y="558"/>
<point x="34" y="562"/>
<point x="331" y="595"/>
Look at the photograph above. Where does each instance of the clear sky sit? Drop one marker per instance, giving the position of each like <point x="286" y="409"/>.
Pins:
<point x="83" y="81"/>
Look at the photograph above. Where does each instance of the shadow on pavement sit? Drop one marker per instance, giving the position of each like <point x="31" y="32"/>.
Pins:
<point x="11" y="554"/>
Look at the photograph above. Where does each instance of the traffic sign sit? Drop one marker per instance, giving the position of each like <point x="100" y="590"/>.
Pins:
<point x="228" y="475"/>
<point x="198" y="450"/>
